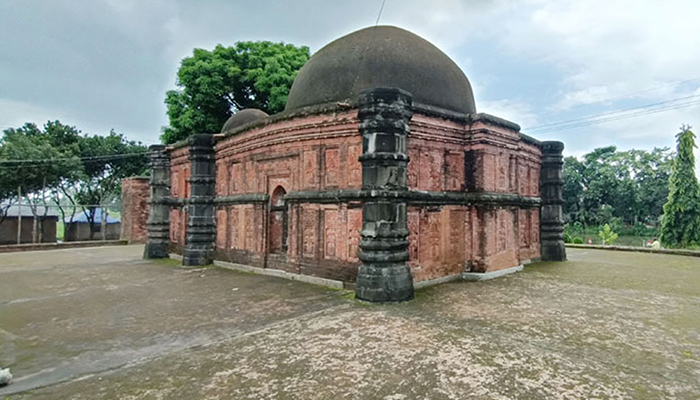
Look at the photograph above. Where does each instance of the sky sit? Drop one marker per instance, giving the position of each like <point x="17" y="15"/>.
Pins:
<point x="106" y="64"/>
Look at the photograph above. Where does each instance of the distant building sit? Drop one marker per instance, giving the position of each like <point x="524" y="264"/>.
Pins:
<point x="8" y="227"/>
<point x="79" y="228"/>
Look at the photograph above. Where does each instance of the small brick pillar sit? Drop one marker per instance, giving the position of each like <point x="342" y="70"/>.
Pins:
<point x="159" y="214"/>
<point x="135" y="209"/>
<point x="384" y="275"/>
<point x="201" y="226"/>
<point x="551" y="216"/>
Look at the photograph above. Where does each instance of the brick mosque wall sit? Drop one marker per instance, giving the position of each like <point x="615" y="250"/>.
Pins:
<point x="135" y="209"/>
<point x="315" y="153"/>
<point x="449" y="239"/>
<point x="179" y="192"/>
<point x="312" y="158"/>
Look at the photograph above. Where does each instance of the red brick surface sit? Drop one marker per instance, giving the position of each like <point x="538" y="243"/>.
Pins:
<point x="135" y="208"/>
<point x="320" y="152"/>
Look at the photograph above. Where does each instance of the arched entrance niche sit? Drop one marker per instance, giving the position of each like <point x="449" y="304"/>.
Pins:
<point x="278" y="221"/>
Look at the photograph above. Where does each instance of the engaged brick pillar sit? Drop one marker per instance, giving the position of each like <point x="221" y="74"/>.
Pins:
<point x="159" y="215"/>
<point x="551" y="216"/>
<point x="201" y="226"/>
<point x="384" y="274"/>
<point x="135" y="210"/>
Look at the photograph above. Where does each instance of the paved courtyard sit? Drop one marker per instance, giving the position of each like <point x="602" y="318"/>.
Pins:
<point x="100" y="323"/>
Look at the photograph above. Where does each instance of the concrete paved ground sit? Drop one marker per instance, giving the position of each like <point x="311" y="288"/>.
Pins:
<point x="100" y="323"/>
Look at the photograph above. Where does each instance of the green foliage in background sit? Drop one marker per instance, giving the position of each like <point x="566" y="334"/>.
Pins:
<point x="605" y="184"/>
<point x="680" y="225"/>
<point x="212" y="85"/>
<point x="607" y="234"/>
<point x="57" y="164"/>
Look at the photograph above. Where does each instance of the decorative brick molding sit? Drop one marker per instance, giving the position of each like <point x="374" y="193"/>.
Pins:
<point x="412" y="197"/>
<point x="552" y="220"/>
<point x="384" y="275"/>
<point x="158" y="219"/>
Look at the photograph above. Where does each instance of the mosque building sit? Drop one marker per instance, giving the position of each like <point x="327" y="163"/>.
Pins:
<point x="380" y="173"/>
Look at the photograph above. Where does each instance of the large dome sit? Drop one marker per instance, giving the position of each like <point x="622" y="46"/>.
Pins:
<point x="382" y="56"/>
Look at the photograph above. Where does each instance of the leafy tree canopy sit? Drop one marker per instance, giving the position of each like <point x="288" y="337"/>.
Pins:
<point x="60" y="164"/>
<point x="32" y="159"/>
<point x="214" y="84"/>
<point x="680" y="226"/>
<point x="607" y="183"/>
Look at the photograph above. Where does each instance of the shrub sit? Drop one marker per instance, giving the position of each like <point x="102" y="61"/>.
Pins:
<point x="578" y="240"/>
<point x="607" y="234"/>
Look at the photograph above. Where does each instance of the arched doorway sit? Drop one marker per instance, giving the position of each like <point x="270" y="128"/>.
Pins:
<point x="278" y="221"/>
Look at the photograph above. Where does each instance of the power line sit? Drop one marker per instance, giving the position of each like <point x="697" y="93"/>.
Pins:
<point x="107" y="157"/>
<point x="380" y="13"/>
<point x="619" y="117"/>
<point x="631" y="94"/>
<point x="604" y="116"/>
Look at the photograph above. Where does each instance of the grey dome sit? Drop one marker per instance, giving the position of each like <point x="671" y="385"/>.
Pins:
<point x="243" y="117"/>
<point x="382" y="56"/>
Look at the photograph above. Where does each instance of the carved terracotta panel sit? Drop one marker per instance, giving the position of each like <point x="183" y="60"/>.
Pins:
<point x="332" y="160"/>
<point x="251" y="177"/>
<point x="534" y="182"/>
<point x="502" y="223"/>
<point x="310" y="232"/>
<point x="430" y="175"/>
<point x="175" y="183"/>
<point x="456" y="242"/>
<point x="413" y="218"/>
<point x="182" y="227"/>
<point x="237" y="178"/>
<point x="221" y="184"/>
<point x="535" y="225"/>
<point x="354" y="166"/>
<point x="221" y="225"/>
<point x="185" y="183"/>
<point x="331" y="233"/>
<point x="503" y="172"/>
<point x="413" y="168"/>
<point x="512" y="174"/>
<point x="234" y="229"/>
<point x="524" y="228"/>
<point x="455" y="171"/>
<point x="250" y="230"/>
<point x="354" y="227"/>
<point x="174" y="224"/>
<point x="310" y="166"/>
<point x="489" y="172"/>
<point x="523" y="179"/>
<point x="429" y="241"/>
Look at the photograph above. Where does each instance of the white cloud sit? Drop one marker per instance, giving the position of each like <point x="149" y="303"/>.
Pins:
<point x="14" y="114"/>
<point x="607" y="48"/>
<point x="511" y="110"/>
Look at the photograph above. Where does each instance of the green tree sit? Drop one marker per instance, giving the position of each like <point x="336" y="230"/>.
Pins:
<point x="58" y="163"/>
<point x="607" y="183"/>
<point x="214" y="84"/>
<point x="607" y="234"/>
<point x="32" y="166"/>
<point x="105" y="161"/>
<point x="680" y="225"/>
